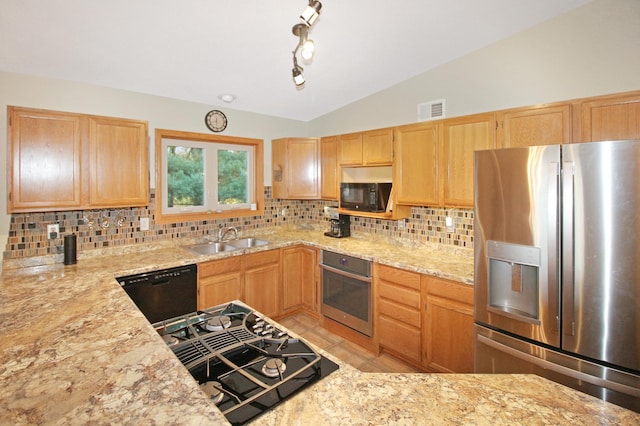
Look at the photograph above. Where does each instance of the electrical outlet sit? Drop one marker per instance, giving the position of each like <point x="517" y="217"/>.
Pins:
<point x="144" y="223"/>
<point x="53" y="230"/>
<point x="402" y="223"/>
<point x="448" y="222"/>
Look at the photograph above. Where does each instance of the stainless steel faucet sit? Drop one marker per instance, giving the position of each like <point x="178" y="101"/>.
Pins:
<point x="222" y="232"/>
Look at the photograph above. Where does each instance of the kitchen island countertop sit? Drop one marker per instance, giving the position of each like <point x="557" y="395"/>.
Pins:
<point x="74" y="349"/>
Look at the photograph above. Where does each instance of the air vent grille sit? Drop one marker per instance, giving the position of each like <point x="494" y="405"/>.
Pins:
<point x="431" y="110"/>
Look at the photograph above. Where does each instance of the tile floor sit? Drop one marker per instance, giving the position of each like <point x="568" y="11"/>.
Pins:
<point x="309" y="328"/>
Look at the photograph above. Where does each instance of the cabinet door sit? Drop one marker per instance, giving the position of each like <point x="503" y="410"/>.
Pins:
<point x="262" y="282"/>
<point x="448" y="331"/>
<point x="219" y="289"/>
<point x="292" y="278"/>
<point x="461" y="137"/>
<point x="350" y="149"/>
<point x="219" y="281"/>
<point x="296" y="168"/>
<point x="377" y="147"/>
<point x="44" y="170"/>
<point x="119" y="162"/>
<point x="544" y="125"/>
<point x="299" y="278"/>
<point x="329" y="168"/>
<point x="612" y="117"/>
<point x="261" y="287"/>
<point x="415" y="167"/>
<point x="309" y="274"/>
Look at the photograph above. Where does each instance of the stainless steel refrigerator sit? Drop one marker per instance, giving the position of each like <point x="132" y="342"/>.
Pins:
<point x="557" y="265"/>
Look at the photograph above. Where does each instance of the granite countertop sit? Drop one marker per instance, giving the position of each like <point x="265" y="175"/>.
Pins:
<point x="74" y="349"/>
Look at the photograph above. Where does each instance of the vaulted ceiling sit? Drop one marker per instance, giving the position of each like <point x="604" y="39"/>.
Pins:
<point x="197" y="50"/>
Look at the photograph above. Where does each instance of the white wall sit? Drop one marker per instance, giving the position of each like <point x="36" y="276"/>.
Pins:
<point x="590" y="51"/>
<point x="165" y="113"/>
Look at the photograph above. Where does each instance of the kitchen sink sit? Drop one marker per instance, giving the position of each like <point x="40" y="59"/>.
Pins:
<point x="247" y="242"/>
<point x="211" y="248"/>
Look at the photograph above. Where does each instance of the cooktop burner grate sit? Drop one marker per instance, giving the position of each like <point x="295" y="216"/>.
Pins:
<point x="194" y="351"/>
<point x="255" y="364"/>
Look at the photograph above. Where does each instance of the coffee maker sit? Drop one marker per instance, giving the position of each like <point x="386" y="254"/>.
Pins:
<point x="340" y="224"/>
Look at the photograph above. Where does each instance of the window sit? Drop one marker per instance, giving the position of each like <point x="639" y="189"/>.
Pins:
<point x="207" y="177"/>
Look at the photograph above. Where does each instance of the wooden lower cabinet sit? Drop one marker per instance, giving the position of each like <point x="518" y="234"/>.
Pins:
<point x="262" y="282"/>
<point x="424" y="320"/>
<point x="299" y="279"/>
<point x="219" y="281"/>
<point x="448" y="326"/>
<point x="253" y="278"/>
<point x="398" y="318"/>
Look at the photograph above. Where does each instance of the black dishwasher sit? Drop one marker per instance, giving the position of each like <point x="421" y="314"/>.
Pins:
<point x="163" y="294"/>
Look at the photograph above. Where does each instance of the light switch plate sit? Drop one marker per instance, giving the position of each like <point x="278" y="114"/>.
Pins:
<point x="144" y="223"/>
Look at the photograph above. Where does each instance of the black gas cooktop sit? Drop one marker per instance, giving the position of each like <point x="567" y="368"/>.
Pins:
<point x="246" y="364"/>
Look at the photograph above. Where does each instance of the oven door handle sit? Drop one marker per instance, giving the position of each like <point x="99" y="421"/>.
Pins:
<point x="345" y="274"/>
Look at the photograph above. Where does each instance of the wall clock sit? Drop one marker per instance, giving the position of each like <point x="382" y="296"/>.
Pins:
<point x="215" y="120"/>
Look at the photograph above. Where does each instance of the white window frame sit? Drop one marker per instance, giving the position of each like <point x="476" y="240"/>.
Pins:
<point x="211" y="188"/>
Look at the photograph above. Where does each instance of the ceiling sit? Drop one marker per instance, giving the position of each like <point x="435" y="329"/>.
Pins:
<point x="196" y="50"/>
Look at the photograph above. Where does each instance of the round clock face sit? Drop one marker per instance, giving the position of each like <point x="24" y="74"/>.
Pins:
<point x="216" y="121"/>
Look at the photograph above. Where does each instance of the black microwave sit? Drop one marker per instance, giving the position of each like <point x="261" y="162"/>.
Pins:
<point x="367" y="197"/>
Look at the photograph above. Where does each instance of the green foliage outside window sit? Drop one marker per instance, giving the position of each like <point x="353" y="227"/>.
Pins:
<point x="232" y="177"/>
<point x="185" y="175"/>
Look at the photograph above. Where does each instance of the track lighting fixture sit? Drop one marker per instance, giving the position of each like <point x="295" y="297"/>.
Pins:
<point x="305" y="45"/>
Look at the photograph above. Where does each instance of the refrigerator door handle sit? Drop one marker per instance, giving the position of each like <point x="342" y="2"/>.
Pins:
<point x="553" y="244"/>
<point x="567" y="246"/>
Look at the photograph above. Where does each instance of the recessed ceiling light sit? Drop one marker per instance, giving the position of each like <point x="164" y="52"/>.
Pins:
<point x="228" y="98"/>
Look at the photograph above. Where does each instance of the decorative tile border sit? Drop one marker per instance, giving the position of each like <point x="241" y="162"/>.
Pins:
<point x="27" y="232"/>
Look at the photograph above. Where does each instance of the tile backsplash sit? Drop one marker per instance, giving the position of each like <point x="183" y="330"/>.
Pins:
<point x="119" y="227"/>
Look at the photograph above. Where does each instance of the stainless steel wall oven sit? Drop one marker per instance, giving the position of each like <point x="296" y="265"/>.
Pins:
<point x="346" y="291"/>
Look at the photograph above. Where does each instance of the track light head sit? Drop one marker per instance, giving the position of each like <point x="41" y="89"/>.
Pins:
<point x="298" y="78"/>
<point x="311" y="13"/>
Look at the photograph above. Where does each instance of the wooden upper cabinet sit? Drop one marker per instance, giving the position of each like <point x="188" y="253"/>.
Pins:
<point x="415" y="168"/>
<point x="118" y="163"/>
<point x="371" y="148"/>
<point x="611" y="117"/>
<point x="44" y="160"/>
<point x="377" y="147"/>
<point x="350" y="149"/>
<point x="329" y="187"/>
<point x="66" y="161"/>
<point x="296" y="168"/>
<point x="540" y="125"/>
<point x="460" y="138"/>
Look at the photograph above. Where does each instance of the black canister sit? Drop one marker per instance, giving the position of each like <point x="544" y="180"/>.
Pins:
<point x="70" y="249"/>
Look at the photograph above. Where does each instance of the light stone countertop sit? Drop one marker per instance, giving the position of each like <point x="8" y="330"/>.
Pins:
<point x="74" y="349"/>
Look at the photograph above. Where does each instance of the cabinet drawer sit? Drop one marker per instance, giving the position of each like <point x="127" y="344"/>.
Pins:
<point x="220" y="266"/>
<point x="399" y="294"/>
<point x="399" y="277"/>
<point x="399" y="338"/>
<point x="399" y="312"/>
<point x="262" y="258"/>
